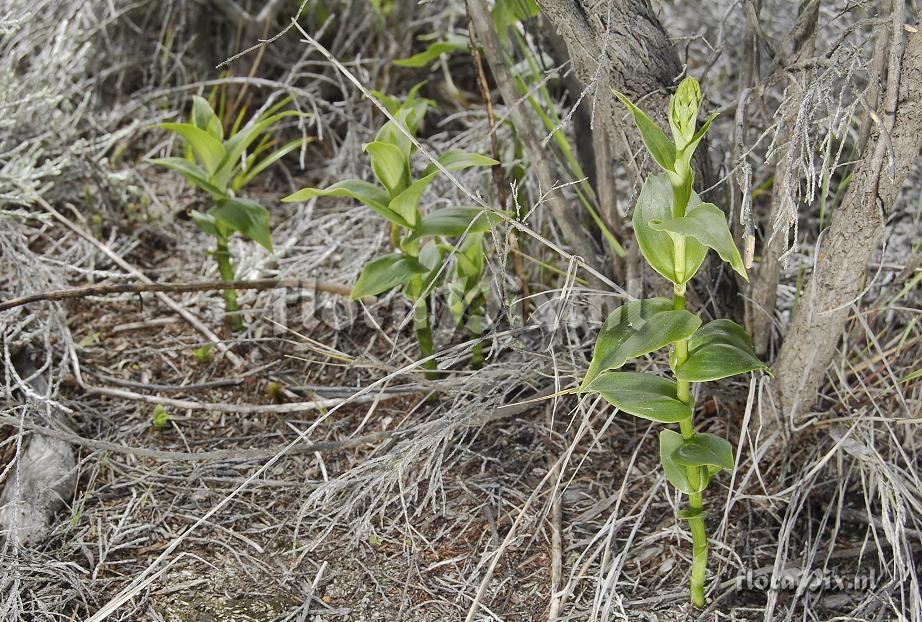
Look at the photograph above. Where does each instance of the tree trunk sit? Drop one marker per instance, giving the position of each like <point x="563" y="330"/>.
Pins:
<point x="764" y="288"/>
<point x="857" y="227"/>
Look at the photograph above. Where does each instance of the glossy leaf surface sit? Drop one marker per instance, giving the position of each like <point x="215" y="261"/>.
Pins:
<point x="248" y="218"/>
<point x="719" y="349"/>
<point x="676" y="474"/>
<point x="385" y="273"/>
<point x="642" y="395"/>
<point x="655" y="205"/>
<point x="637" y="328"/>
<point x="704" y="449"/>
<point x="661" y="148"/>
<point x="707" y="224"/>
<point x="369" y="194"/>
<point x="389" y="165"/>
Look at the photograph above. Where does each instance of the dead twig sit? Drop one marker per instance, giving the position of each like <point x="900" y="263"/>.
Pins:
<point x="124" y="265"/>
<point x="193" y="286"/>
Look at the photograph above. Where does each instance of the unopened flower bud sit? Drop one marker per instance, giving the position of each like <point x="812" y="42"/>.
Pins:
<point x="683" y="111"/>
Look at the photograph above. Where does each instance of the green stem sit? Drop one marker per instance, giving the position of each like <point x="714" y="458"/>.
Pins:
<point x="226" y="269"/>
<point x="475" y="326"/>
<point x="695" y="500"/>
<point x="423" y="328"/>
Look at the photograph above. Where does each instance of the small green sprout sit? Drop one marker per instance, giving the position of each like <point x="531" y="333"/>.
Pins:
<point x="674" y="231"/>
<point x="418" y="240"/>
<point x="222" y="166"/>
<point x="204" y="354"/>
<point x="160" y="418"/>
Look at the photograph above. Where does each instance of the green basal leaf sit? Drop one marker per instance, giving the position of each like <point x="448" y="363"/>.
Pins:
<point x="407" y="202"/>
<point x="192" y="172"/>
<point x="642" y="395"/>
<point x="369" y="194"/>
<point x="390" y="166"/>
<point x="677" y="475"/>
<point x="204" y="118"/>
<point x="454" y="221"/>
<point x="248" y="218"/>
<point x="432" y="53"/>
<point x="659" y="145"/>
<point x="385" y="273"/>
<point x="206" y="147"/>
<point x="707" y="224"/>
<point x="455" y="160"/>
<point x="657" y="247"/>
<point x="637" y="328"/>
<point x="704" y="449"/>
<point x="719" y="349"/>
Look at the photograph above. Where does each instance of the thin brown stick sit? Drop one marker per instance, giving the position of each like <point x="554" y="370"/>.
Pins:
<point x="193" y="286"/>
<point x="124" y="265"/>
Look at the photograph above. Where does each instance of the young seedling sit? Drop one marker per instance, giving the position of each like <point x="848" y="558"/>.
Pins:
<point x="417" y="239"/>
<point x="674" y="231"/>
<point x="222" y="168"/>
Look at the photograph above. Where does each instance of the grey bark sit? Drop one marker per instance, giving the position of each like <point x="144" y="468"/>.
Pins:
<point x="856" y="229"/>
<point x="764" y="288"/>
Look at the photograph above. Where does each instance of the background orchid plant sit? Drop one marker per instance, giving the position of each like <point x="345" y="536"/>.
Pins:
<point x="418" y="239"/>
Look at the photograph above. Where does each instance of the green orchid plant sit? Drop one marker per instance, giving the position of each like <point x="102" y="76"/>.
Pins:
<point x="222" y="167"/>
<point x="419" y="241"/>
<point x="674" y="230"/>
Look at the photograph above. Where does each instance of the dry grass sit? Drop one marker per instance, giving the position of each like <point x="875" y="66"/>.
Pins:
<point x="370" y="501"/>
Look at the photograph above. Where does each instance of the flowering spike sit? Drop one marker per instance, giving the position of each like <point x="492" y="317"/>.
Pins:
<point x="683" y="111"/>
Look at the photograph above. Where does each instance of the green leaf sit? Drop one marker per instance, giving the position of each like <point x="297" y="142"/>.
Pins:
<point x="268" y="161"/>
<point x="455" y="160"/>
<point x="239" y="142"/>
<point x="206" y="223"/>
<point x="689" y="149"/>
<point x="369" y="194"/>
<point x="248" y="218"/>
<point x="204" y="118"/>
<point x="659" y="145"/>
<point x="657" y="247"/>
<point x="677" y="475"/>
<point x="406" y="202"/>
<point x="192" y="172"/>
<point x="390" y="166"/>
<point x="719" y="349"/>
<point x="454" y="221"/>
<point x="637" y="328"/>
<point x="385" y="273"/>
<point x="409" y="116"/>
<point x="506" y="13"/>
<point x="642" y="395"/>
<point x="707" y="224"/>
<point x="433" y="52"/>
<point x="704" y="449"/>
<point x="469" y="259"/>
<point x="206" y="147"/>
